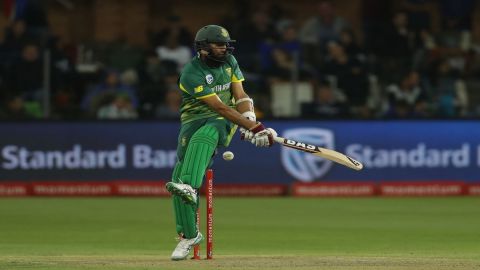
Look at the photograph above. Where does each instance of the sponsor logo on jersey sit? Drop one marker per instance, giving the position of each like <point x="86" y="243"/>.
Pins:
<point x="209" y="78"/>
<point x="303" y="166"/>
<point x="220" y="88"/>
<point x="198" y="89"/>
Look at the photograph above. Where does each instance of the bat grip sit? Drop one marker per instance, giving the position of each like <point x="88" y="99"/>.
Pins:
<point x="278" y="139"/>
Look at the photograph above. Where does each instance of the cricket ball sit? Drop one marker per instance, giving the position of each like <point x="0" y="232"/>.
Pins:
<point x="228" y="155"/>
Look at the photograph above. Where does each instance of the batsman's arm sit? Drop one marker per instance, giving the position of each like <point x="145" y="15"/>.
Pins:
<point x="262" y="137"/>
<point x="244" y="105"/>
<point x="234" y="116"/>
<point x="243" y="102"/>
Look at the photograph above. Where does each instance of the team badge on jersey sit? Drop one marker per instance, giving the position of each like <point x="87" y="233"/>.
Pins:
<point x="229" y="71"/>
<point x="209" y="78"/>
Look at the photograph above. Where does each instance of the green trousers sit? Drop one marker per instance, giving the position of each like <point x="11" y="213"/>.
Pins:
<point x="197" y="143"/>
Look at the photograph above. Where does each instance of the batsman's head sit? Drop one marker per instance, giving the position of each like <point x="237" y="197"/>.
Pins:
<point x="212" y="42"/>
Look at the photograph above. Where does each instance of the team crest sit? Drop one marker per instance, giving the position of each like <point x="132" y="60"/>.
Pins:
<point x="224" y="32"/>
<point x="209" y="78"/>
<point x="229" y="71"/>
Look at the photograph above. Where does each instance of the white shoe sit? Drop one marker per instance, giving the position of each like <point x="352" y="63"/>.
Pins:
<point x="184" y="191"/>
<point x="183" y="247"/>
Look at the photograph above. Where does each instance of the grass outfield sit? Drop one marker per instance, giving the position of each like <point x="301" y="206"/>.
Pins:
<point x="250" y="233"/>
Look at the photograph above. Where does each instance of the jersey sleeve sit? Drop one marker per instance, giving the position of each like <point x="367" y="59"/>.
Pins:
<point x="195" y="86"/>
<point x="237" y="75"/>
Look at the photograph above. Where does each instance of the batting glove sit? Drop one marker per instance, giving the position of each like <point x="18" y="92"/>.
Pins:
<point x="262" y="137"/>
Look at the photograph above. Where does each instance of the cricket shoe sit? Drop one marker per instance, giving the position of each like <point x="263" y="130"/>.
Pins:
<point x="184" y="246"/>
<point x="184" y="191"/>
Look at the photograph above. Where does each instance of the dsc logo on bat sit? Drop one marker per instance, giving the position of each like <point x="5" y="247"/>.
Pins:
<point x="305" y="146"/>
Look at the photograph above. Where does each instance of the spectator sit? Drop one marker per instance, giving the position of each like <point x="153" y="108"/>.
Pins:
<point x="32" y="12"/>
<point x="454" y="44"/>
<point x="151" y="84"/>
<point x="170" y="109"/>
<point x="418" y="12"/>
<point x="35" y="16"/>
<point x="156" y="70"/>
<point x="425" y="51"/>
<point x="13" y="108"/>
<point x="105" y="93"/>
<point x="282" y="66"/>
<point x="280" y="58"/>
<point x="350" y="45"/>
<point x="173" y="51"/>
<point x="450" y="37"/>
<point x="279" y="14"/>
<point x="26" y="74"/>
<point x="157" y="76"/>
<point x="173" y="28"/>
<point x="459" y="11"/>
<point x="396" y="52"/>
<point x="324" y="27"/>
<point x="65" y="103"/>
<point x="65" y="91"/>
<point x="16" y="37"/>
<point x="288" y="42"/>
<point x="253" y="33"/>
<point x="375" y="17"/>
<point x="351" y="77"/>
<point x="449" y="91"/>
<point x="121" y="107"/>
<point x="123" y="55"/>
<point x="319" y="30"/>
<point x="5" y="57"/>
<point x="400" y="33"/>
<point x="327" y="104"/>
<point x="62" y="66"/>
<point x="398" y="39"/>
<point x="407" y="99"/>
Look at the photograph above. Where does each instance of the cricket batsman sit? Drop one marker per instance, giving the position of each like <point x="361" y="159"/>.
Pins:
<point x="213" y="104"/>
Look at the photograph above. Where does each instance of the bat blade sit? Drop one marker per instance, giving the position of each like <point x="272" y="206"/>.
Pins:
<point x="321" y="152"/>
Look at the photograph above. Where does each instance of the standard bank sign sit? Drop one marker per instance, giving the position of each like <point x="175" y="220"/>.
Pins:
<point x="304" y="166"/>
<point x="411" y="156"/>
<point x="78" y="157"/>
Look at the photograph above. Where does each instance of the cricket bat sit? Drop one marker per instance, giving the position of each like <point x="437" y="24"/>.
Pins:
<point x="321" y="152"/>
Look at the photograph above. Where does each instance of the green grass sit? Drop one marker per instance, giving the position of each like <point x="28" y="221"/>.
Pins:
<point x="249" y="233"/>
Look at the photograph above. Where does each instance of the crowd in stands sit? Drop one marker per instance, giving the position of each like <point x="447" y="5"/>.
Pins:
<point x="401" y="70"/>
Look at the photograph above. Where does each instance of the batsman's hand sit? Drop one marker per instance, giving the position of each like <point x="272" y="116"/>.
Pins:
<point x="262" y="137"/>
<point x="246" y="135"/>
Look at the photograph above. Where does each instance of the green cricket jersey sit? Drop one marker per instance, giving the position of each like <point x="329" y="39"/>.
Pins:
<point x="198" y="81"/>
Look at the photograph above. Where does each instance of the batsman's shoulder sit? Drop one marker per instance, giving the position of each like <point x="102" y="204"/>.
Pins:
<point x="232" y="60"/>
<point x="189" y="67"/>
<point x="190" y="71"/>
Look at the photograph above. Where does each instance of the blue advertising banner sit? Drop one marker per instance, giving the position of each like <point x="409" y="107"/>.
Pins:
<point x="100" y="151"/>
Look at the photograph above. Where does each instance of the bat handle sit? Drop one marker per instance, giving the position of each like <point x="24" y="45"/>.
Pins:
<point x="278" y="139"/>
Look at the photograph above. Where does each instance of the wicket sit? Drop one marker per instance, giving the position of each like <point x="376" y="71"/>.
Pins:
<point x="209" y="202"/>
